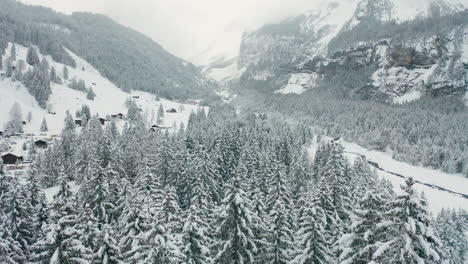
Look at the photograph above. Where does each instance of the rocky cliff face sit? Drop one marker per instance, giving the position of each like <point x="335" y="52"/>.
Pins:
<point x="405" y="49"/>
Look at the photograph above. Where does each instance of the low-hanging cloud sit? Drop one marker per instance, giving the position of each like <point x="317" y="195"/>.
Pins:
<point x="185" y="27"/>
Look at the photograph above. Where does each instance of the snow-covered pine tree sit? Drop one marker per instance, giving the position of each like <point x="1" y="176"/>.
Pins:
<point x="323" y="200"/>
<point x="160" y="115"/>
<point x="20" y="215"/>
<point x="31" y="57"/>
<point x="36" y="197"/>
<point x="62" y="238"/>
<point x="10" y="249"/>
<point x="88" y="224"/>
<point x="94" y="191"/>
<point x="236" y="242"/>
<point x="162" y="241"/>
<point x="321" y="156"/>
<point x="279" y="248"/>
<point x="108" y="251"/>
<point x="44" y="127"/>
<point x="163" y="165"/>
<point x="68" y="145"/>
<point x="196" y="239"/>
<point x="205" y="174"/>
<point x="336" y="175"/>
<point x="132" y="223"/>
<point x="451" y="227"/>
<point x="201" y="208"/>
<point x="147" y="189"/>
<point x="259" y="209"/>
<point x="13" y="52"/>
<point x="118" y="182"/>
<point x="300" y="172"/>
<point x="365" y="235"/>
<point x="311" y="245"/>
<point x="361" y="177"/>
<point x="410" y="235"/>
<point x="65" y="72"/>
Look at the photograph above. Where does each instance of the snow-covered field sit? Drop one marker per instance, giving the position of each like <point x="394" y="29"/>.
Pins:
<point x="109" y="98"/>
<point x="438" y="199"/>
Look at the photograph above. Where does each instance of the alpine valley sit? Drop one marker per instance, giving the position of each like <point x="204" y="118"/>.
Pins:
<point x="336" y="135"/>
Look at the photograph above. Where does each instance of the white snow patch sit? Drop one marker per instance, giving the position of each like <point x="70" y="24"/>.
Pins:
<point x="299" y="83"/>
<point x="408" y="97"/>
<point x="52" y="191"/>
<point x="292" y="88"/>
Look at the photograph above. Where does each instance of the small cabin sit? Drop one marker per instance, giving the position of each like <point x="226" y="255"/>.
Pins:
<point x="102" y="120"/>
<point x="1" y="133"/>
<point x="118" y="115"/>
<point x="24" y="122"/>
<point x="135" y="96"/>
<point x="11" y="158"/>
<point x="172" y="110"/>
<point x="93" y="83"/>
<point x="154" y="128"/>
<point x="52" y="112"/>
<point x="40" y="143"/>
<point x="78" y="122"/>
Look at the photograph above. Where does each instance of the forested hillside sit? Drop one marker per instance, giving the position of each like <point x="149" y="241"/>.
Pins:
<point x="430" y="132"/>
<point x="228" y="189"/>
<point x="124" y="56"/>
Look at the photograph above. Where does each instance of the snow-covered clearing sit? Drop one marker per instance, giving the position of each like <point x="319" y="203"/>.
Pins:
<point x="109" y="98"/>
<point x="438" y="199"/>
<point x="52" y="191"/>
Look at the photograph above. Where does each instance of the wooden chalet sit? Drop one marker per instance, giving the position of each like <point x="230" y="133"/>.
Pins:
<point x="118" y="116"/>
<point x="155" y="128"/>
<point x="40" y="143"/>
<point x="172" y="110"/>
<point x="102" y="120"/>
<point x="11" y="158"/>
<point x="78" y="122"/>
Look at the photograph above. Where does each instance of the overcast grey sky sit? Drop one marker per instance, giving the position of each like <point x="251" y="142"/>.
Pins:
<point x="185" y="27"/>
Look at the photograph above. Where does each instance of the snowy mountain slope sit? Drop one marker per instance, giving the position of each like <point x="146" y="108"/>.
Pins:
<point x="438" y="199"/>
<point x="410" y="56"/>
<point x="109" y="98"/>
<point x="219" y="60"/>
<point x="126" y="57"/>
<point x="400" y="10"/>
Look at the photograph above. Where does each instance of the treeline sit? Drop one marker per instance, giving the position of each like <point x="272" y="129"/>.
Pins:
<point x="33" y="25"/>
<point x="429" y="132"/>
<point x="127" y="58"/>
<point x="226" y="189"/>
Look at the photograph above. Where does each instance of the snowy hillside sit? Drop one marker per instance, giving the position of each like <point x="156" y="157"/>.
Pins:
<point x="451" y="194"/>
<point x="109" y="98"/>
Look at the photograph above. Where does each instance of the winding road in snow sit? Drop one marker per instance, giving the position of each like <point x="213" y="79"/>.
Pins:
<point x="377" y="166"/>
